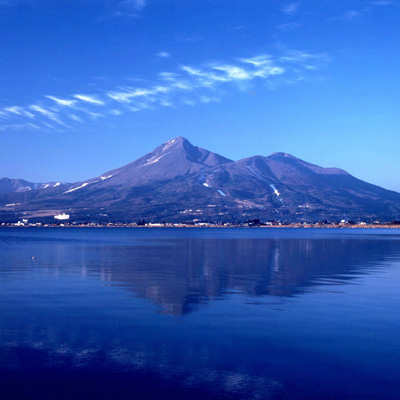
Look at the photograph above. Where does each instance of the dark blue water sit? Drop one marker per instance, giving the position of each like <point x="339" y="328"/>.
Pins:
<point x="199" y="314"/>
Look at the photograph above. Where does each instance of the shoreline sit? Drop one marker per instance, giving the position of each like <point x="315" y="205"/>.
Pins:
<point x="213" y="226"/>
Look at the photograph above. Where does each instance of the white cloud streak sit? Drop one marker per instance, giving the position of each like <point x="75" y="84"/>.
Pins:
<point x="188" y="85"/>
<point x="382" y="3"/>
<point x="128" y="93"/>
<point x="352" y="15"/>
<point x="134" y="3"/>
<point x="75" y="118"/>
<point x="19" y="111"/>
<point x="130" y="8"/>
<point x="206" y="99"/>
<point x="290" y="26"/>
<point x="49" y="114"/>
<point x="89" y="99"/>
<point x="290" y="8"/>
<point x="365" y="8"/>
<point x="62" y="102"/>
<point x="163" y="54"/>
<point x="17" y="127"/>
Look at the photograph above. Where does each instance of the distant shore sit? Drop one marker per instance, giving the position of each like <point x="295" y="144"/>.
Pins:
<point x="227" y="226"/>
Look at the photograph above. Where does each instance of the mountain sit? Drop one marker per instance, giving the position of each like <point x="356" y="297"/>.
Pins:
<point x="181" y="182"/>
<point x="19" y="185"/>
<point x="295" y="187"/>
<point x="177" y="157"/>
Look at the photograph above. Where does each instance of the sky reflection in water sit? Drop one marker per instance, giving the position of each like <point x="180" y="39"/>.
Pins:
<point x="236" y="314"/>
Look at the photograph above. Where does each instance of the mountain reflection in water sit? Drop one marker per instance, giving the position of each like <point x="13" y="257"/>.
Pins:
<point x="199" y="314"/>
<point x="181" y="274"/>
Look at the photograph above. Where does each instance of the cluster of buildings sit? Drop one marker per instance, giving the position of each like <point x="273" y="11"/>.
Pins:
<point x="64" y="222"/>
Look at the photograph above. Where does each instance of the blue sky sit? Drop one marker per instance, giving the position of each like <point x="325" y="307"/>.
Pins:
<point x="91" y="85"/>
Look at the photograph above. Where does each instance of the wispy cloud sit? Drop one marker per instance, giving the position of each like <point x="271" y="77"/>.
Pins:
<point x="49" y="114"/>
<point x="75" y="118"/>
<point x="94" y="115"/>
<point x="129" y="8"/>
<point x="232" y="72"/>
<point x="163" y="54"/>
<point x="187" y="85"/>
<point x="303" y="57"/>
<point x="115" y="112"/>
<point x="127" y="94"/>
<point x="206" y="99"/>
<point x="352" y="15"/>
<point x="136" y="4"/>
<point x="62" y="102"/>
<point x="18" y="111"/>
<point x="257" y="67"/>
<point x="89" y="99"/>
<point x="289" y="26"/>
<point x="382" y="3"/>
<point x="16" y="127"/>
<point x="290" y="8"/>
<point x="125" y="14"/>
<point x="365" y="8"/>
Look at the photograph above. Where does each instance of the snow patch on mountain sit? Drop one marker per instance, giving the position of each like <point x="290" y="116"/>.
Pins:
<point x="154" y="159"/>
<point x="168" y="144"/>
<point x="276" y="192"/>
<point x="23" y="189"/>
<point x="79" y="187"/>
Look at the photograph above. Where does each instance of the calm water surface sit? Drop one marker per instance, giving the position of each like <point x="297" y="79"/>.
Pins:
<point x="199" y="314"/>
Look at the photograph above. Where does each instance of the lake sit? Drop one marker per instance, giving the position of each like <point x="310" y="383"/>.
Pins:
<point x="202" y="313"/>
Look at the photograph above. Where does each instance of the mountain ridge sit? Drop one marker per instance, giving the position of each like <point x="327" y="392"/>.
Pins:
<point x="178" y="181"/>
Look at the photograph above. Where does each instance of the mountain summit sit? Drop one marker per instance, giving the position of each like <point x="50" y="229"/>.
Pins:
<point x="177" y="157"/>
<point x="181" y="182"/>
